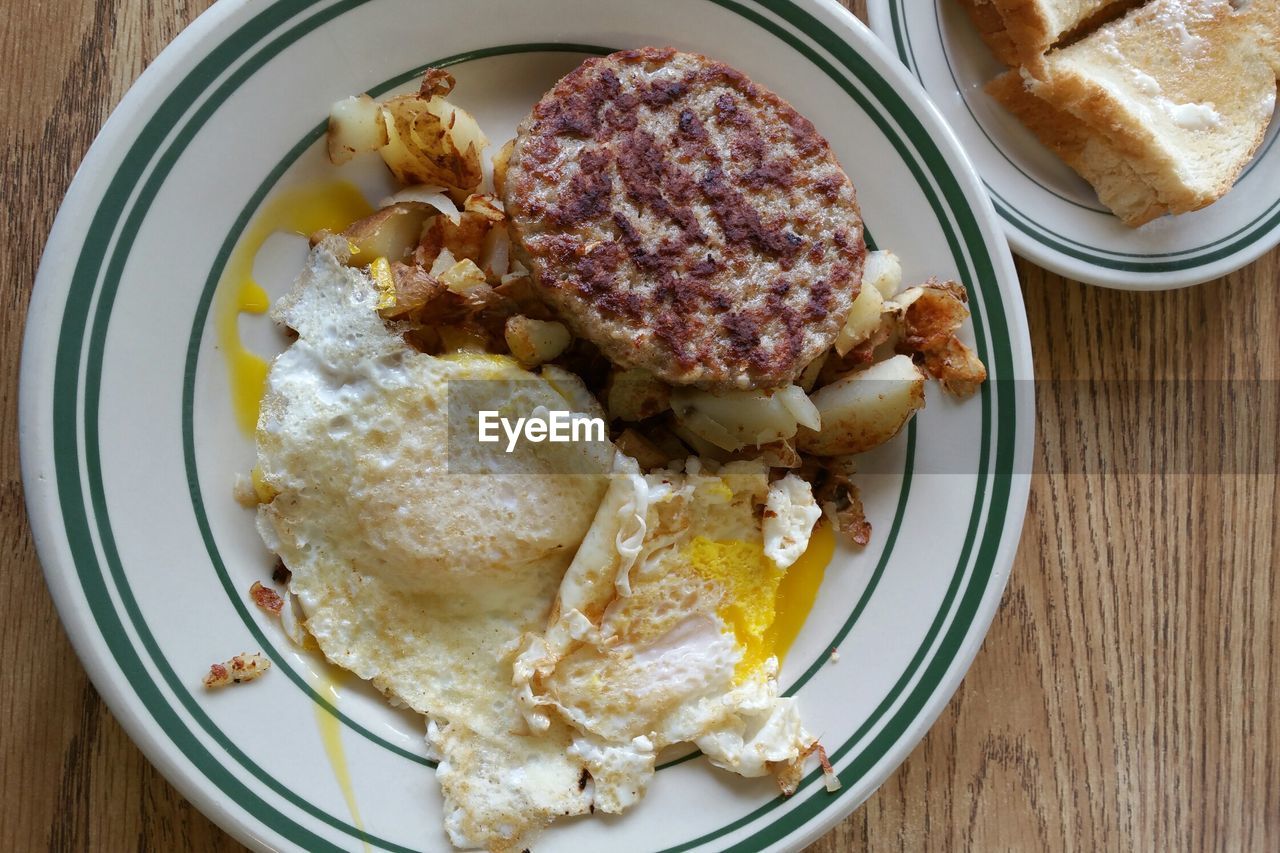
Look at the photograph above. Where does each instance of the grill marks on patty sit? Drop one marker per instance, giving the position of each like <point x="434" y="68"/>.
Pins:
<point x="666" y="188"/>
<point x="580" y="113"/>
<point x="590" y="191"/>
<point x="655" y="183"/>
<point x="741" y="223"/>
<point x="627" y="237"/>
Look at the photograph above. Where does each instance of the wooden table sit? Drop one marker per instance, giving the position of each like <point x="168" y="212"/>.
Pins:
<point x="1125" y="697"/>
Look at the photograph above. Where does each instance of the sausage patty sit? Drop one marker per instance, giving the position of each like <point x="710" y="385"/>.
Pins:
<point x="685" y="220"/>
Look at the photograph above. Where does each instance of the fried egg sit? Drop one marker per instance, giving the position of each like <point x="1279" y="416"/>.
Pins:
<point x="545" y="623"/>
<point x="409" y="571"/>
<point x="661" y="630"/>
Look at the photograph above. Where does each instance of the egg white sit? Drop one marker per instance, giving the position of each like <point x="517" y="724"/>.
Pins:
<point x="545" y="623"/>
<point x="643" y="650"/>
<point x="409" y="572"/>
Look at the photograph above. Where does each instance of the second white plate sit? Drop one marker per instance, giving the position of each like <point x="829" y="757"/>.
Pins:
<point x="1050" y="214"/>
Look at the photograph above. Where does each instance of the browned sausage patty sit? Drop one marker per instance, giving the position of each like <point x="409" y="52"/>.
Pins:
<point x="685" y="220"/>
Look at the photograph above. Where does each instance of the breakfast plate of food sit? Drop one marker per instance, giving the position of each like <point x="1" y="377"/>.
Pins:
<point x="1126" y="144"/>
<point x="506" y="427"/>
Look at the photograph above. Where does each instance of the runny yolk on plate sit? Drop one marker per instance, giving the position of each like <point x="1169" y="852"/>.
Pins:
<point x="331" y="736"/>
<point x="765" y="606"/>
<point x="799" y="589"/>
<point x="302" y="210"/>
<point x="333" y="205"/>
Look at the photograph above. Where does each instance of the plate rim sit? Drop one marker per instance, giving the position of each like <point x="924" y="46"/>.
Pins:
<point x="46" y="313"/>
<point x="885" y="23"/>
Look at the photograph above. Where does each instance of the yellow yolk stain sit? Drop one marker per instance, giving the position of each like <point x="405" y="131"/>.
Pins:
<point x="264" y="491"/>
<point x="331" y="205"/>
<point x="765" y="606"/>
<point x="380" y="271"/>
<point x="799" y="589"/>
<point x="331" y="736"/>
<point x="495" y="363"/>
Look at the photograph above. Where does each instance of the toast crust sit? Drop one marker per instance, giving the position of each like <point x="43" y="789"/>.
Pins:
<point x="1263" y="18"/>
<point x="1019" y="32"/>
<point x="990" y="26"/>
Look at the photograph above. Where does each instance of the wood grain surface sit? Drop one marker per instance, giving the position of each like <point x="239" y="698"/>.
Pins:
<point x="1125" y="698"/>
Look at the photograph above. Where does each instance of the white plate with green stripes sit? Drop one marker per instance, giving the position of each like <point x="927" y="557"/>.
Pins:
<point x="130" y="446"/>
<point x="1051" y="215"/>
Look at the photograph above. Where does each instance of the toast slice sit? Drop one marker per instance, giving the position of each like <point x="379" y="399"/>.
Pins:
<point x="1117" y="183"/>
<point x="1263" y="17"/>
<point x="1181" y="90"/>
<point x="987" y="20"/>
<point x="1020" y="31"/>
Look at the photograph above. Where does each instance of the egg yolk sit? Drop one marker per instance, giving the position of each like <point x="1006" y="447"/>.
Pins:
<point x="764" y="605"/>
<point x="799" y="589"/>
<point x="750" y="581"/>
<point x="332" y="205"/>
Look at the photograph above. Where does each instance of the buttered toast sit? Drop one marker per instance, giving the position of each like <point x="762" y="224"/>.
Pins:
<point x="1118" y="184"/>
<point x="1160" y="110"/>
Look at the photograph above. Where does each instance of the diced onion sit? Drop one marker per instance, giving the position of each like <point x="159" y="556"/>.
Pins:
<point x="800" y="406"/>
<point x="426" y="194"/>
<point x="883" y="271"/>
<point x="496" y="253"/>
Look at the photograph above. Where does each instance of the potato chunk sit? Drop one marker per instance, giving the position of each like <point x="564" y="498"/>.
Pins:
<point x="933" y="313"/>
<point x="865" y="409"/>
<point x="355" y="126"/>
<point x="535" y="342"/>
<point x="390" y="233"/>
<point x="736" y="419"/>
<point x="635" y="394"/>
<point x="432" y="142"/>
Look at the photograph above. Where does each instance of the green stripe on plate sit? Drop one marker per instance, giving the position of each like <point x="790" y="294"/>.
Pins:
<point x="67" y="467"/>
